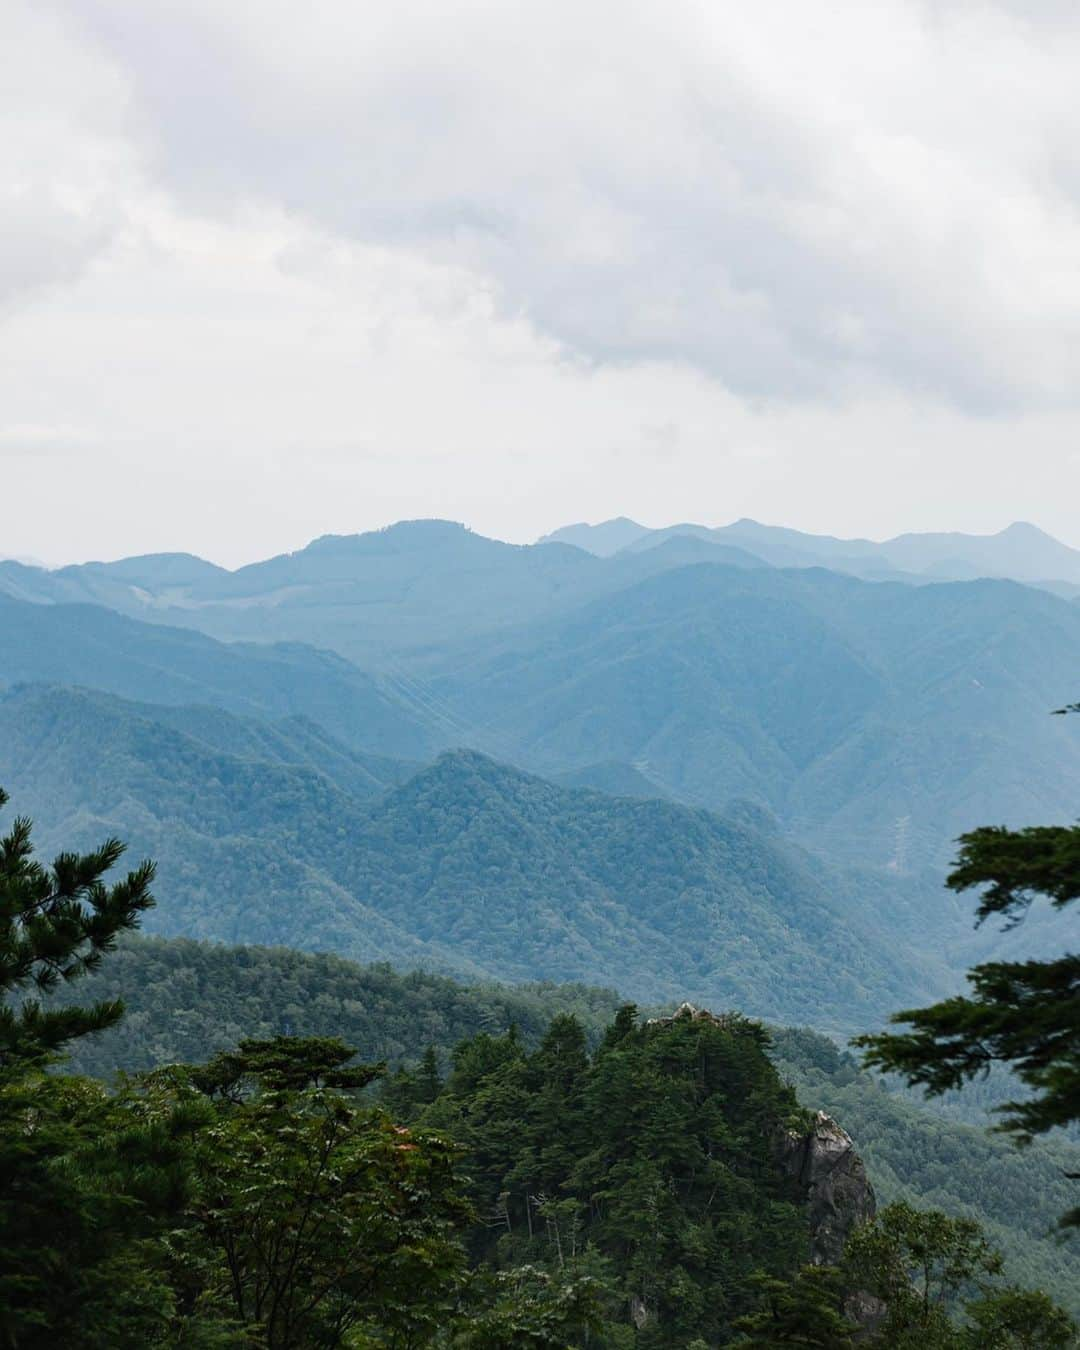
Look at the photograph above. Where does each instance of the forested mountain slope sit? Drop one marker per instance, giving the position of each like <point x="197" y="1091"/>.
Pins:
<point x="913" y="1154"/>
<point x="188" y="1000"/>
<point x="93" y="646"/>
<point x="877" y="721"/>
<point x="469" y="865"/>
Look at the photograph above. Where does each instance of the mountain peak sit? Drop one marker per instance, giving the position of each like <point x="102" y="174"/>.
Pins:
<point x="1024" y="529"/>
<point x="403" y="535"/>
<point x="604" y="539"/>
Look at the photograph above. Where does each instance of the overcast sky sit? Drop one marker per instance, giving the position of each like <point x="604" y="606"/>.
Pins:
<point x="271" y="270"/>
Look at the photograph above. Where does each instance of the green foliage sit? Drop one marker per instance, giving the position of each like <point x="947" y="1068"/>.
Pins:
<point x="1018" y="1319"/>
<point x="188" y="1001"/>
<point x="807" y="1311"/>
<point x="1026" y="1013"/>
<point x="79" y="1189"/>
<point x="919" y="1263"/>
<point x="311" y="1220"/>
<point x="82" y="1196"/>
<point x="534" y="1309"/>
<point x="927" y="1160"/>
<point x="656" y="1151"/>
<point x="55" y="925"/>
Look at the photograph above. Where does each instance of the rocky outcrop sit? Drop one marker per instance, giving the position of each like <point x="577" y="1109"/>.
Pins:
<point x="833" y="1178"/>
<point x="839" y="1197"/>
<point x="829" y="1177"/>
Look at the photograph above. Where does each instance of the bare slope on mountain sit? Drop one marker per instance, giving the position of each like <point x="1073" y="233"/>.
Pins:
<point x="469" y="865"/>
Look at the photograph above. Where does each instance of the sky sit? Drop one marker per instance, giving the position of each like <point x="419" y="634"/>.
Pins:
<point x="270" y="271"/>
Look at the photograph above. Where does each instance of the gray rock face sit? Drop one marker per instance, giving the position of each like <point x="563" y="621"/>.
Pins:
<point x="833" y="1178"/>
<point x="839" y="1198"/>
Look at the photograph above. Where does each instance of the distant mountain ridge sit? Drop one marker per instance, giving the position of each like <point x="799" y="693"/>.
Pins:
<point x="1020" y="552"/>
<point x="376" y="598"/>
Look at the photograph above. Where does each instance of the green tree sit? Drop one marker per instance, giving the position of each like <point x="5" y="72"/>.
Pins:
<point x="314" y="1218"/>
<point x="428" y="1077"/>
<point x="82" y="1193"/>
<point x="55" y="925"/>
<point x="1019" y="1319"/>
<point x="919" y="1263"/>
<point x="529" y="1308"/>
<point x="656" y="1154"/>
<point x="1023" y="1013"/>
<point x="806" y="1311"/>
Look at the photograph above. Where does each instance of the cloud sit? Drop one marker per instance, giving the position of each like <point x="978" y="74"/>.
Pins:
<point x="66" y="163"/>
<point x="272" y="272"/>
<point x="803" y="202"/>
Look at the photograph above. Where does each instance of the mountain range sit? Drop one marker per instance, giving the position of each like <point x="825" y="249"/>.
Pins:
<point x="876" y="720"/>
<point x="275" y="835"/>
<point x="682" y="768"/>
<point x="1020" y="552"/>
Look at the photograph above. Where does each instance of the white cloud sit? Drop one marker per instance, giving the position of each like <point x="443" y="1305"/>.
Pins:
<point x="65" y="160"/>
<point x="274" y="270"/>
<point x="799" y="200"/>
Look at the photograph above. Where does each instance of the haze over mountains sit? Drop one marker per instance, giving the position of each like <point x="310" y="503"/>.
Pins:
<point x="466" y="865"/>
<point x="778" y="756"/>
<point x="1021" y="551"/>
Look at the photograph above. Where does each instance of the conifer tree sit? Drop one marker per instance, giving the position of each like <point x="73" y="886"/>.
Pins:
<point x="1022" y="1013"/>
<point x="79" y="1187"/>
<point x="56" y="923"/>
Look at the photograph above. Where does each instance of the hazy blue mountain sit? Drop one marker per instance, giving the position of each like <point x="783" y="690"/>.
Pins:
<point x="614" y="778"/>
<point x="878" y="721"/>
<point x="384" y="599"/>
<point x="604" y="539"/>
<point x="468" y="865"/>
<point x="370" y="597"/>
<point x="362" y="595"/>
<point x="1020" y="552"/>
<point x="296" y="741"/>
<point x="90" y="645"/>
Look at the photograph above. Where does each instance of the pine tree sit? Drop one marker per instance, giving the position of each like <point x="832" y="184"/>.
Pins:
<point x="1022" y="1013"/>
<point x="80" y="1185"/>
<point x="428" y="1078"/>
<point x="55" y="925"/>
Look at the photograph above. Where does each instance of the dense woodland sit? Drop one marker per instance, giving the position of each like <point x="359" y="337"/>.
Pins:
<point x="187" y="1001"/>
